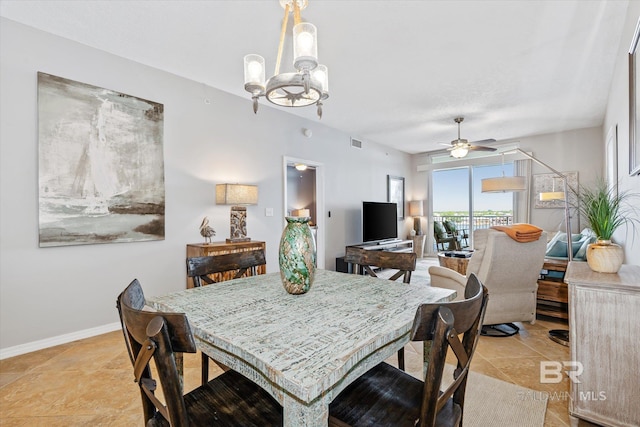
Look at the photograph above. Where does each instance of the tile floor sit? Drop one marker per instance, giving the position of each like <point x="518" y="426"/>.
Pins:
<point x="89" y="382"/>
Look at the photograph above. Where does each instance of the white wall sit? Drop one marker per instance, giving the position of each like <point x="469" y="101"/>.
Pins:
<point x="577" y="150"/>
<point x="52" y="292"/>
<point x="618" y="114"/>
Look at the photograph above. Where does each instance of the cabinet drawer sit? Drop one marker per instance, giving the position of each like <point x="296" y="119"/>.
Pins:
<point x="552" y="291"/>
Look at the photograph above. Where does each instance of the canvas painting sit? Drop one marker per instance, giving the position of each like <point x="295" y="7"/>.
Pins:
<point x="101" y="165"/>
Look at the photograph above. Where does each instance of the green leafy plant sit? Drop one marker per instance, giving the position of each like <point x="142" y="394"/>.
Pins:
<point x="605" y="209"/>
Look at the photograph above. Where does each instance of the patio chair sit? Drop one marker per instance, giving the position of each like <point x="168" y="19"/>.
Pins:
<point x="442" y="237"/>
<point x="461" y="234"/>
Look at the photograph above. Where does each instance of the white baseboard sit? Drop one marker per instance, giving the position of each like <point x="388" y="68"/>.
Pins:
<point x="60" y="339"/>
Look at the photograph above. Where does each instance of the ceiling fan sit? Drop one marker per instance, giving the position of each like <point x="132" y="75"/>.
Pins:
<point x="461" y="147"/>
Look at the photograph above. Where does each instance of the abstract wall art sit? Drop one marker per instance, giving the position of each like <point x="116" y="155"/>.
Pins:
<point x="101" y="165"/>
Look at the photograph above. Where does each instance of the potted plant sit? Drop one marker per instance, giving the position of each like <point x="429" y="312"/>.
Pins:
<point x="605" y="210"/>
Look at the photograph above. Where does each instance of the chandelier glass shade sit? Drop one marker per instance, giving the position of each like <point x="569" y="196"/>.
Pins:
<point x="308" y="85"/>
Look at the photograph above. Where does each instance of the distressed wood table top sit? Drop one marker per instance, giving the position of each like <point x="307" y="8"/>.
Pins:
<point x="303" y="349"/>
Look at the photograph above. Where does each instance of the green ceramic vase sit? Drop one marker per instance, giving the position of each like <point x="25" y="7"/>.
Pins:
<point x="297" y="256"/>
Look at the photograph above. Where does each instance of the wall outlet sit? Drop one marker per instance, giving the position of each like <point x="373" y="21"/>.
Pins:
<point x="268" y="211"/>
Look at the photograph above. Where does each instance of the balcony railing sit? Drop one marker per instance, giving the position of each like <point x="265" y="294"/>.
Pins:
<point x="479" y="222"/>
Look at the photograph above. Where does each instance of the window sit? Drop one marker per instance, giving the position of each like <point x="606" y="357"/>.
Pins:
<point x="457" y="197"/>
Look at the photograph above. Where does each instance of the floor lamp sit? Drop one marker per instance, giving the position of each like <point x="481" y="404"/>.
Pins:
<point x="561" y="336"/>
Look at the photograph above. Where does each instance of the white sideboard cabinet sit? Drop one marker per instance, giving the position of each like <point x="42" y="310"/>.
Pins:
<point x="604" y="328"/>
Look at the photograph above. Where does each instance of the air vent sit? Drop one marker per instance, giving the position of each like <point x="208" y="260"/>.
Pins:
<point x="356" y="143"/>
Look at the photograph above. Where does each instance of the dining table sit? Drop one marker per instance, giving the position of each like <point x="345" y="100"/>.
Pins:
<point x="302" y="349"/>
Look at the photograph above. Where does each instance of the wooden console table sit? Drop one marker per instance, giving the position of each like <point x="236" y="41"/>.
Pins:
<point x="605" y="339"/>
<point x="553" y="297"/>
<point x="219" y="248"/>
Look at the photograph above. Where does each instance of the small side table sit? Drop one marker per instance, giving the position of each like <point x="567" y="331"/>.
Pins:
<point x="418" y="244"/>
<point x="458" y="264"/>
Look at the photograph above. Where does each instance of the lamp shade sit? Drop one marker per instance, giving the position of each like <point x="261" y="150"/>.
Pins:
<point x="301" y="213"/>
<point x="551" y="195"/>
<point x="236" y="194"/>
<point x="504" y="184"/>
<point x="415" y="208"/>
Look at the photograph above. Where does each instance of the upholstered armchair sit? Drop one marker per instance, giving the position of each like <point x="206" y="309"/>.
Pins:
<point x="510" y="271"/>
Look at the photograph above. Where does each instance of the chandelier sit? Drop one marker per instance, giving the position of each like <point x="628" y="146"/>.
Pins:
<point x="309" y="85"/>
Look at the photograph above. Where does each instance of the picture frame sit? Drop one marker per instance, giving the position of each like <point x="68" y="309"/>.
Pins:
<point x="549" y="182"/>
<point x="395" y="193"/>
<point x="634" y="122"/>
<point x="612" y="159"/>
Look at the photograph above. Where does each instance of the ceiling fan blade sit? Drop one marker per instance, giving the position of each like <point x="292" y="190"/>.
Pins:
<point x="483" y="141"/>
<point x="482" y="148"/>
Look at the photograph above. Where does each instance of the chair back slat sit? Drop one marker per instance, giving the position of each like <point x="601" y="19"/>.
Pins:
<point x="199" y="268"/>
<point x="404" y="262"/>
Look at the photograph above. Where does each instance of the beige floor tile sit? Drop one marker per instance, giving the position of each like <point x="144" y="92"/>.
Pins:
<point x="61" y="385"/>
<point x="31" y="360"/>
<point x="8" y="378"/>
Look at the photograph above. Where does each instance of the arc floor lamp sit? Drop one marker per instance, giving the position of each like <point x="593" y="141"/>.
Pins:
<point x="506" y="184"/>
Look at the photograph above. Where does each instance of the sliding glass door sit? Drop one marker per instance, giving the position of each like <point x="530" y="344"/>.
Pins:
<point x="458" y="198"/>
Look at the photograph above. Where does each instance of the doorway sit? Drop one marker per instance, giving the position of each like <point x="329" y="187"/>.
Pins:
<point x="304" y="189"/>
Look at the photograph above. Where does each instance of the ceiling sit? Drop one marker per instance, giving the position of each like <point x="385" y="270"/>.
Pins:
<point x="399" y="71"/>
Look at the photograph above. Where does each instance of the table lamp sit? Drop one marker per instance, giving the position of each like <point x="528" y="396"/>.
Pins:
<point x="239" y="196"/>
<point x="416" y="211"/>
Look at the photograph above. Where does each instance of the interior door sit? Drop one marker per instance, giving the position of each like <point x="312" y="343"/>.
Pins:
<point x="304" y="189"/>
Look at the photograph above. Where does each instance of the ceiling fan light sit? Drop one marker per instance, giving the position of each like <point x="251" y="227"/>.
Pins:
<point x="459" y="152"/>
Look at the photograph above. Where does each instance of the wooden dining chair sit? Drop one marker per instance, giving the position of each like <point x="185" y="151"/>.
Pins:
<point x="369" y="260"/>
<point x="201" y="268"/>
<point x="387" y="396"/>
<point x="230" y="399"/>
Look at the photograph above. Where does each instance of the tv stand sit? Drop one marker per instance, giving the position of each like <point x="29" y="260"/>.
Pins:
<point x="387" y="242"/>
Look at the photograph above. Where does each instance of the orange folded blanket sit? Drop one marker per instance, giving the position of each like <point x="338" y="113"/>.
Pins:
<point x="522" y="233"/>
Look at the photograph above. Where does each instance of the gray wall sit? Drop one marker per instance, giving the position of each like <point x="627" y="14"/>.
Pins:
<point x="48" y="295"/>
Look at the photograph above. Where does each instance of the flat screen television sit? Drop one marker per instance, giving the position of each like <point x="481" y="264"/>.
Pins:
<point x="379" y="221"/>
